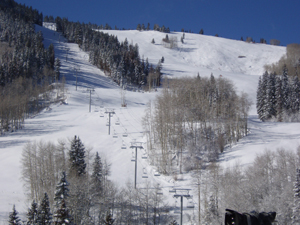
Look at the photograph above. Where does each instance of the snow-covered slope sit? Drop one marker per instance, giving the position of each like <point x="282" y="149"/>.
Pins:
<point x="199" y="53"/>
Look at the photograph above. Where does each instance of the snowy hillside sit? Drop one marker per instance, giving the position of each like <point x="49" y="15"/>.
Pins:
<point x="239" y="61"/>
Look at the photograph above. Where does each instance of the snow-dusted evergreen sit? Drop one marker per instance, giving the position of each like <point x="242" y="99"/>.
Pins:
<point x="62" y="190"/>
<point x="97" y="178"/>
<point x="14" y="218"/>
<point x="77" y="156"/>
<point x="278" y="97"/>
<point x="32" y="214"/>
<point x="44" y="212"/>
<point x="62" y="215"/>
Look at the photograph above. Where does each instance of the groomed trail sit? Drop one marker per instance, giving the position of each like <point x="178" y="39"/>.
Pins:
<point x="198" y="53"/>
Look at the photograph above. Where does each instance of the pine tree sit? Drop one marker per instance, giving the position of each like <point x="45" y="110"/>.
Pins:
<point x="32" y="214"/>
<point x="77" y="155"/>
<point x="44" y="214"/>
<point x="295" y="96"/>
<point x="62" y="214"/>
<point x="285" y="91"/>
<point x="264" y="86"/>
<point x="14" y="218"/>
<point x="57" y="69"/>
<point x="279" y="99"/>
<point x="259" y="99"/>
<point x="296" y="209"/>
<point x="62" y="190"/>
<point x="97" y="177"/>
<point x="270" y="98"/>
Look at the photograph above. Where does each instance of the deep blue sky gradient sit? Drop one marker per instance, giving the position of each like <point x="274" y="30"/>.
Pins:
<point x="268" y="19"/>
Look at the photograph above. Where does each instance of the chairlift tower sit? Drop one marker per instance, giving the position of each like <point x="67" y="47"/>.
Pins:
<point x="136" y="145"/>
<point x="182" y="193"/>
<point x="110" y="112"/>
<point x="90" y="90"/>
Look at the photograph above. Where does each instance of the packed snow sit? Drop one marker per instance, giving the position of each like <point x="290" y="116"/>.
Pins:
<point x="236" y="60"/>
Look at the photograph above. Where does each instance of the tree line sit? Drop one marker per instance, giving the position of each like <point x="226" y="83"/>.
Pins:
<point x="26" y="67"/>
<point x="194" y="118"/>
<point x="278" y="97"/>
<point x="119" y="60"/>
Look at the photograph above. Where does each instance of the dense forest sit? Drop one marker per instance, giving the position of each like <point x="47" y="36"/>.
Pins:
<point x="120" y="61"/>
<point x="278" y="97"/>
<point x="26" y="67"/>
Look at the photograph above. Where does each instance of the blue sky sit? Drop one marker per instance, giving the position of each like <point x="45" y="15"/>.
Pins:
<point x="268" y="19"/>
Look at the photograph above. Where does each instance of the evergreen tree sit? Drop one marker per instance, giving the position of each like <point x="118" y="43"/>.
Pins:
<point x="14" y="218"/>
<point x="259" y="99"/>
<point x="51" y="55"/>
<point x="32" y="215"/>
<point x="295" y="95"/>
<point x="279" y="99"/>
<point x="264" y="85"/>
<point x="77" y="155"/>
<point x="285" y="91"/>
<point x="62" y="190"/>
<point x="44" y="214"/>
<point x="296" y="209"/>
<point x="271" y="98"/>
<point x="97" y="177"/>
<point x="57" y="69"/>
<point x="62" y="216"/>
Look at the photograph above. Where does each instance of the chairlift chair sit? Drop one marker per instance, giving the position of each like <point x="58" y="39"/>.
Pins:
<point x="159" y="191"/>
<point x="101" y="114"/>
<point x="172" y="190"/>
<point x="125" y="134"/>
<point x="144" y="156"/>
<point x="145" y="175"/>
<point x="156" y="173"/>
<point x="115" y="135"/>
<point x="117" y="122"/>
<point x="190" y="203"/>
<point x="123" y="145"/>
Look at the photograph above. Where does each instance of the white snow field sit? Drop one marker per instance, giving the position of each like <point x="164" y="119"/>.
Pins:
<point x="239" y="61"/>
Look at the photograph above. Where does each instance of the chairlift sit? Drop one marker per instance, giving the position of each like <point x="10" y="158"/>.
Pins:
<point x="145" y="175"/>
<point x="144" y="156"/>
<point x="190" y="203"/>
<point x="115" y="135"/>
<point x="157" y="174"/>
<point x="125" y="134"/>
<point x="117" y="122"/>
<point x="101" y="106"/>
<point x="172" y="190"/>
<point x="123" y="145"/>
<point x="101" y="114"/>
<point x="159" y="191"/>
